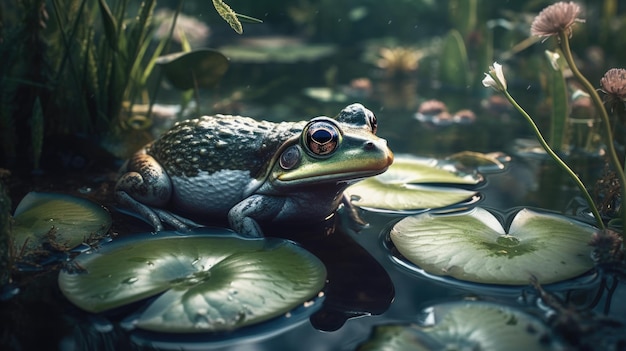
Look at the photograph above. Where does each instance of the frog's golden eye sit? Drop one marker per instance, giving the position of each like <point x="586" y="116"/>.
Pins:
<point x="290" y="157"/>
<point x="322" y="138"/>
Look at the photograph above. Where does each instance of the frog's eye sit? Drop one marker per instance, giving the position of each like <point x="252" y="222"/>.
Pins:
<point x="290" y="157"/>
<point x="322" y="138"/>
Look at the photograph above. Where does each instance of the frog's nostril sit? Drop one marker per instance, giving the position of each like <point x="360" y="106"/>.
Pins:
<point x="369" y="145"/>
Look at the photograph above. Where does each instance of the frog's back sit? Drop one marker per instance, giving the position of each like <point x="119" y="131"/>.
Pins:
<point x="221" y="142"/>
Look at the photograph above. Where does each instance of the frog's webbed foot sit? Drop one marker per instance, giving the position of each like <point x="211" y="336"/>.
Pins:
<point x="155" y="216"/>
<point x="144" y="212"/>
<point x="180" y="223"/>
<point x="352" y="215"/>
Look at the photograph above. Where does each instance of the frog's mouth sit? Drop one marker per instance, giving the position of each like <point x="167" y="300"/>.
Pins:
<point x="348" y="172"/>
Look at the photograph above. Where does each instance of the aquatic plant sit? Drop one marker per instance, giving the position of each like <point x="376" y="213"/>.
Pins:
<point x="231" y="17"/>
<point x="47" y="222"/>
<point x="473" y="246"/>
<point x="399" y="61"/>
<point x="495" y="79"/>
<point x="24" y="78"/>
<point x="81" y="68"/>
<point x="228" y="15"/>
<point x="613" y="85"/>
<point x="454" y="70"/>
<point x="201" y="68"/>
<point x="414" y="184"/>
<point x="465" y="325"/>
<point x="277" y="50"/>
<point x="69" y="77"/>
<point x="209" y="281"/>
<point x="557" y="21"/>
<point x="565" y="15"/>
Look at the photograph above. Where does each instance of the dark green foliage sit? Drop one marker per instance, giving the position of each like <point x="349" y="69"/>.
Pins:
<point x="24" y="77"/>
<point x="85" y="63"/>
<point x="5" y="242"/>
<point x="200" y="68"/>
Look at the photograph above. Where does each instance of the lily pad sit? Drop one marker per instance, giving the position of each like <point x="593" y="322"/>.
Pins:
<point x="277" y="50"/>
<point x="466" y="325"/>
<point x="202" y="68"/>
<point x="490" y="162"/>
<point x="204" y="282"/>
<point x="64" y="221"/>
<point x="325" y="94"/>
<point x="409" y="184"/>
<point x="473" y="246"/>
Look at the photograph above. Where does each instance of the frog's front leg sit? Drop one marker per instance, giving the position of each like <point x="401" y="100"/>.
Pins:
<point x="145" y="188"/>
<point x="352" y="212"/>
<point x="243" y="217"/>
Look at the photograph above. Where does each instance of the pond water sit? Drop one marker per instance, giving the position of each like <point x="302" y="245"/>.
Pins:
<point x="366" y="287"/>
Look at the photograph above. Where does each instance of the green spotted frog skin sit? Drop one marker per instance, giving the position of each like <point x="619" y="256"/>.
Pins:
<point x="251" y="171"/>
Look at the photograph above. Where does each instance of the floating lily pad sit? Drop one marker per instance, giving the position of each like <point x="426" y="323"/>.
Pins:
<point x="277" y="50"/>
<point x="490" y="162"/>
<point x="325" y="94"/>
<point x="202" y="68"/>
<point x="467" y="325"/>
<point x="64" y="221"/>
<point x="472" y="246"/>
<point x="409" y="184"/>
<point x="205" y="282"/>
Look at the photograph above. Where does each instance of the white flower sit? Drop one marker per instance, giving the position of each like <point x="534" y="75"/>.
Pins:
<point x="553" y="57"/>
<point x="495" y="78"/>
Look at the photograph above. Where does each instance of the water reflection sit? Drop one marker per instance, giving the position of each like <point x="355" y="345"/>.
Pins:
<point x="358" y="285"/>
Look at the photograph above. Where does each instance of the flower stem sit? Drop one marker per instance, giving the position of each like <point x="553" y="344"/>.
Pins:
<point x="557" y="159"/>
<point x="613" y="158"/>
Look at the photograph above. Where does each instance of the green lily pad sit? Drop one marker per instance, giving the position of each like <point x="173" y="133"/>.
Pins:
<point x="206" y="282"/>
<point x="325" y="94"/>
<point x="466" y="325"/>
<point x="472" y="246"/>
<point x="491" y="162"/>
<point x="277" y="50"/>
<point x="64" y="221"/>
<point x="202" y="68"/>
<point x="409" y="184"/>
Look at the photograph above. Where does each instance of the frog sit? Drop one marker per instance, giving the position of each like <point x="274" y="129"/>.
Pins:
<point x="251" y="172"/>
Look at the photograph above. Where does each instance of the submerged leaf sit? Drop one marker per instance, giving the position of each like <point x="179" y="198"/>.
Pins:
<point x="408" y="184"/>
<point x="471" y="325"/>
<point x="62" y="220"/>
<point x="473" y="246"/>
<point x="209" y="283"/>
<point x="196" y="69"/>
